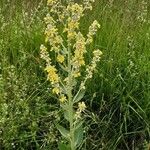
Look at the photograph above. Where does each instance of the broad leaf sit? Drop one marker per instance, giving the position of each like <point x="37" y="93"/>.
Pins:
<point x="79" y="96"/>
<point x="63" y="131"/>
<point x="78" y="134"/>
<point x="66" y="115"/>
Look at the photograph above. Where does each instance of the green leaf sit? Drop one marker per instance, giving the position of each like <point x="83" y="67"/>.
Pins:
<point x="78" y="124"/>
<point x="63" y="131"/>
<point x="79" y="96"/>
<point x="66" y="111"/>
<point x="78" y="134"/>
<point x="62" y="146"/>
<point x="66" y="115"/>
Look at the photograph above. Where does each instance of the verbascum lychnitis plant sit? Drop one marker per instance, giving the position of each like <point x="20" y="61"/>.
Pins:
<point x="64" y="39"/>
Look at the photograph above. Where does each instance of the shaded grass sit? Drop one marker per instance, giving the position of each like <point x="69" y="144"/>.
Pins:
<point x="122" y="81"/>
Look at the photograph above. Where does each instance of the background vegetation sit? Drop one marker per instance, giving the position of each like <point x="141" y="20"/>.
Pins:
<point x="118" y="97"/>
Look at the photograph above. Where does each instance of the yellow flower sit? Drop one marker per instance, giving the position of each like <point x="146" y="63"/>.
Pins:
<point x="80" y="49"/>
<point x="77" y="74"/>
<point x="50" y="69"/>
<point x="62" y="99"/>
<point x="51" y="2"/>
<point x="97" y="53"/>
<point x="72" y="24"/>
<point x="71" y="35"/>
<point x="77" y="115"/>
<point x="60" y="58"/>
<point x="81" y="61"/>
<point x="58" y="39"/>
<point x="52" y="75"/>
<point x="43" y="48"/>
<point x="56" y="90"/>
<point x="95" y="24"/>
<point x="51" y="34"/>
<point x="76" y="10"/>
<point x="81" y="106"/>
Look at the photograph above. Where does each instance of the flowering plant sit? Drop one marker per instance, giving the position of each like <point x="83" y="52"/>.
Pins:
<point x="63" y="37"/>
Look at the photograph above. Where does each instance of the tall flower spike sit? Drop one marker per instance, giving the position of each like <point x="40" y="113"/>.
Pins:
<point x="68" y="46"/>
<point x="44" y="55"/>
<point x="80" y="49"/>
<point x="52" y="35"/>
<point x="75" y="12"/>
<point x="96" y="58"/>
<point x="92" y="31"/>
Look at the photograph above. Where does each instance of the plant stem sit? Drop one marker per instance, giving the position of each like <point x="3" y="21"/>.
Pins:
<point x="70" y="101"/>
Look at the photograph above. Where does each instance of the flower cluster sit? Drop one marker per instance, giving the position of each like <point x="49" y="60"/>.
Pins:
<point x="96" y="58"/>
<point x="44" y="55"/>
<point x="72" y="13"/>
<point x="51" y="2"/>
<point x="52" y="74"/>
<point x="92" y="31"/>
<point x="78" y="58"/>
<point x="88" y="4"/>
<point x="51" y="34"/>
<point x="81" y="108"/>
<point x="75" y="12"/>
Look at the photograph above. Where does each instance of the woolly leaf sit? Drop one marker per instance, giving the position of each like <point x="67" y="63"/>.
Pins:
<point x="78" y="134"/>
<point x="79" y="96"/>
<point x="63" y="131"/>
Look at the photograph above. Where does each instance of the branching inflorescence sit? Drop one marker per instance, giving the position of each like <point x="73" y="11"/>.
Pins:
<point x="63" y="37"/>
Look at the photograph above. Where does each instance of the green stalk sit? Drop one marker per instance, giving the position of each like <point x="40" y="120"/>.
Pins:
<point x="70" y="101"/>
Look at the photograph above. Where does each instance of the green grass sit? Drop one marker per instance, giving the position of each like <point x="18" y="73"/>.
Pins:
<point x="118" y="97"/>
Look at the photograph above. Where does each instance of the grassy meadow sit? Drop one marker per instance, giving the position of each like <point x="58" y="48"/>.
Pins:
<point x="117" y="97"/>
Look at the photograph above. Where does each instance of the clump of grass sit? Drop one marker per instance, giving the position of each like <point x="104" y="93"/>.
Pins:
<point x="122" y="81"/>
<point x="25" y="120"/>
